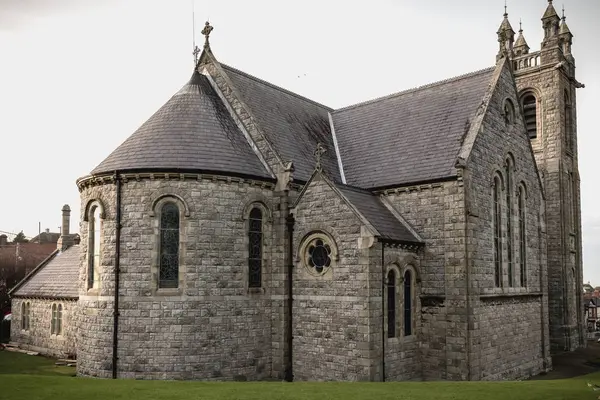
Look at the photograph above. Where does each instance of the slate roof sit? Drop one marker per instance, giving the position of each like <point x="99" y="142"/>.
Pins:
<point x="382" y="219"/>
<point x="412" y="136"/>
<point x="57" y="277"/>
<point x="550" y="12"/>
<point x="292" y="123"/>
<point x="521" y="42"/>
<point x="192" y="131"/>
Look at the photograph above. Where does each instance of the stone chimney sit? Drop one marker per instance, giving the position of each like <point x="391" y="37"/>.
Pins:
<point x="3" y="240"/>
<point x="66" y="239"/>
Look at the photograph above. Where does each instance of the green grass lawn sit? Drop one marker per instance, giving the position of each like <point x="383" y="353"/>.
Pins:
<point x="37" y="378"/>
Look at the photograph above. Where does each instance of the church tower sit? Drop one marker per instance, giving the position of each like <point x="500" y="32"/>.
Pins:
<point x="547" y="88"/>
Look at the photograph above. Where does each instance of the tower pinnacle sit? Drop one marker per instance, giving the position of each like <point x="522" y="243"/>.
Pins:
<point x="521" y="47"/>
<point x="506" y="37"/>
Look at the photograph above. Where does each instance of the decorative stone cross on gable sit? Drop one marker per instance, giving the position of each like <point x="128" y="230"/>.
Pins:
<point x="206" y="32"/>
<point x="319" y="151"/>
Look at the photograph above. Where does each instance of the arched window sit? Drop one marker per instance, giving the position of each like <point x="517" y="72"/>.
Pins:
<point x="497" y="227"/>
<point x="408" y="317"/>
<point x="255" y="247"/>
<point x="509" y="112"/>
<point x="94" y="229"/>
<point x="509" y="230"/>
<point x="522" y="237"/>
<point x="571" y="202"/>
<point x="568" y="122"/>
<point x="169" y="246"/>
<point x="56" y="323"/>
<point x="530" y="114"/>
<point x="391" y="304"/>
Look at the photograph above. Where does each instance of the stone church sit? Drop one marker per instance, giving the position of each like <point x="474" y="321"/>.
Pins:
<point x="245" y="232"/>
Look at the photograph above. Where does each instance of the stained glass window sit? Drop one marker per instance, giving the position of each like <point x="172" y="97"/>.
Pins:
<point x="169" y="246"/>
<point x="407" y="303"/>
<point x="318" y="255"/>
<point x="497" y="227"/>
<point x="391" y="303"/>
<point x="94" y="248"/>
<point x="255" y="248"/>
<point x="509" y="232"/>
<point x="522" y="238"/>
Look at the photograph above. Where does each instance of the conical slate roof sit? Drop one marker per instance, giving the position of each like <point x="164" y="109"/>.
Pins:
<point x="521" y="42"/>
<point x="550" y="11"/>
<point x="193" y="131"/>
<point x="505" y="25"/>
<point x="564" y="29"/>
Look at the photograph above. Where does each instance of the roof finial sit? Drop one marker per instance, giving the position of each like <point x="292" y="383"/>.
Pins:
<point x="196" y="50"/>
<point x="520" y="25"/>
<point x="206" y="32"/>
<point x="563" y="13"/>
<point x="319" y="151"/>
<point x="505" y="9"/>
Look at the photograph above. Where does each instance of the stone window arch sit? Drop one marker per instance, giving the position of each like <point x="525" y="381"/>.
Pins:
<point x="522" y="215"/>
<point x="56" y="321"/>
<point x="255" y="247"/>
<point x="529" y="103"/>
<point x="568" y="121"/>
<point x="94" y="215"/>
<point x="508" y="111"/>
<point x="509" y="167"/>
<point x="318" y="253"/>
<point x="257" y="219"/>
<point x="497" y="189"/>
<point x="409" y="281"/>
<point x="169" y="213"/>
<point x="391" y="294"/>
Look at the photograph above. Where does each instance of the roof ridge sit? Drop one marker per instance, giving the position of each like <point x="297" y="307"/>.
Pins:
<point x="417" y="88"/>
<point x="354" y="188"/>
<point x="277" y="87"/>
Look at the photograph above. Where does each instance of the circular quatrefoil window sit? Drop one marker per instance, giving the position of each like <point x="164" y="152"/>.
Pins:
<point x="318" y="255"/>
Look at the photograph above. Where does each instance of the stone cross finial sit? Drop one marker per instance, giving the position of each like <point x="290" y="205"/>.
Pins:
<point x="319" y="151"/>
<point x="195" y="53"/>
<point x="206" y="32"/>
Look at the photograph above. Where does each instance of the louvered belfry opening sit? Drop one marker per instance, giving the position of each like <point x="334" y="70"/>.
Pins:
<point x="530" y="114"/>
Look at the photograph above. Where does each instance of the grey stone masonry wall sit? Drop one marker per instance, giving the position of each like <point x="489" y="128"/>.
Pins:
<point x="331" y="310"/>
<point x="436" y="212"/>
<point x="558" y="164"/>
<point x="508" y="329"/>
<point x="39" y="337"/>
<point x="213" y="326"/>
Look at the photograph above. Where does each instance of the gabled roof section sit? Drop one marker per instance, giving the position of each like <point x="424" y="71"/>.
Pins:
<point x="370" y="210"/>
<point x="56" y="277"/>
<point x="380" y="217"/>
<point x="408" y="137"/>
<point x="193" y="131"/>
<point x="293" y="124"/>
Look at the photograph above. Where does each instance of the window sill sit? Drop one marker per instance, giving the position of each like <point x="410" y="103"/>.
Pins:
<point x="509" y="295"/>
<point x="168" y="292"/>
<point x="255" y="290"/>
<point x="93" y="291"/>
<point x="402" y="339"/>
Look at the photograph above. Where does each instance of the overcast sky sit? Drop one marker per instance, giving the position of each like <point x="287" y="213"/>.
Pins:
<point x="77" y="77"/>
